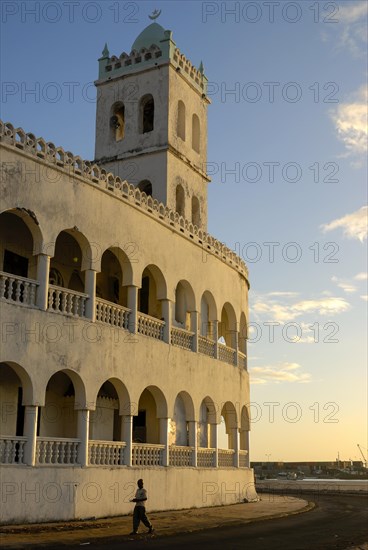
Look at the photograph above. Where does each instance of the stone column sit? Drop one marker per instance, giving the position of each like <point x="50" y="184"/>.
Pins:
<point x="127" y="437"/>
<point x="214" y="330"/>
<point x="235" y="345"/>
<point x="214" y="443"/>
<point x="193" y="440"/>
<point x="43" y="270"/>
<point x="166" y="310"/>
<point x="90" y="289"/>
<point x="247" y="460"/>
<point x="164" y="440"/>
<point x="235" y="442"/>
<point x="83" y="435"/>
<point x="30" y="432"/>
<point x="132" y="302"/>
<point x="194" y="318"/>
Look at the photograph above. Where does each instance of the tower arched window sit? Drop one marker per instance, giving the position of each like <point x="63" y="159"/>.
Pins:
<point x="117" y="121"/>
<point x="196" y="212"/>
<point x="146" y="187"/>
<point x="180" y="200"/>
<point x="180" y="130"/>
<point x="196" y="133"/>
<point x="146" y="114"/>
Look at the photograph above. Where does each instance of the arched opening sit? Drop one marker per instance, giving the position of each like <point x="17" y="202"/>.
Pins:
<point x="146" y="114"/>
<point x="146" y="424"/>
<point x="180" y="200"/>
<point x="180" y="129"/>
<point x="105" y="421"/>
<point x="227" y="327"/>
<point x="196" y="133"/>
<point x="228" y="426"/>
<point x="58" y="418"/>
<point x="152" y="291"/>
<point x="179" y="426"/>
<point x="146" y="187"/>
<point x="244" y="429"/>
<point x="109" y="282"/>
<point x="117" y="121"/>
<point x="207" y="424"/>
<point x="208" y="315"/>
<point x="184" y="305"/>
<point x="16" y="255"/>
<point x="196" y="212"/>
<point x="11" y="396"/>
<point x="65" y="266"/>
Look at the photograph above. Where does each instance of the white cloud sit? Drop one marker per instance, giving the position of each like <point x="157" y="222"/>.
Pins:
<point x="281" y="372"/>
<point x="364" y="297"/>
<point x="344" y="284"/>
<point x="350" y="120"/>
<point x="284" y="312"/>
<point x="351" y="28"/>
<point x="361" y="276"/>
<point x="354" y="225"/>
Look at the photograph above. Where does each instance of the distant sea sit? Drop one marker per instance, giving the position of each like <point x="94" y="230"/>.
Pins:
<point x="318" y="484"/>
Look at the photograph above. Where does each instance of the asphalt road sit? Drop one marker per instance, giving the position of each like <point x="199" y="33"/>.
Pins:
<point x="337" y="522"/>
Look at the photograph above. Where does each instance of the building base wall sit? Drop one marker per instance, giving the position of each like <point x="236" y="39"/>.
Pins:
<point x="42" y="494"/>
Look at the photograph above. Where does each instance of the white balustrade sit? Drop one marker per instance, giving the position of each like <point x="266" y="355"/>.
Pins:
<point x="106" y="453"/>
<point x="147" y="454"/>
<point x="226" y="354"/>
<point x="182" y="338"/>
<point x="205" y="457"/>
<point x="112" y="314"/>
<point x="242" y="360"/>
<point x="206" y="346"/>
<point x="226" y="458"/>
<point x="60" y="450"/>
<point x="243" y="458"/>
<point x="12" y="449"/>
<point x="17" y="289"/>
<point x="66" y="301"/>
<point x="150" y="326"/>
<point x="180" y="455"/>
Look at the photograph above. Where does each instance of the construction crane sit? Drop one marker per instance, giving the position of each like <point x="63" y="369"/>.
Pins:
<point x="361" y="452"/>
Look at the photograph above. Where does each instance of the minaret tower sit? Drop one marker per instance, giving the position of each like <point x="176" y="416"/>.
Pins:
<point x="151" y="123"/>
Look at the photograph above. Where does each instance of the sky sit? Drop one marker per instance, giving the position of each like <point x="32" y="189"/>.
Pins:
<point x="287" y="145"/>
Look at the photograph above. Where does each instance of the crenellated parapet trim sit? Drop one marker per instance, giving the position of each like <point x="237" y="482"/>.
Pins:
<point x="92" y="174"/>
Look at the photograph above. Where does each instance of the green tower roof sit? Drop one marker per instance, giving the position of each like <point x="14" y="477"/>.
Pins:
<point x="152" y="34"/>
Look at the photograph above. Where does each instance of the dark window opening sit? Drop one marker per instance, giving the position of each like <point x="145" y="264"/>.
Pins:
<point x="15" y="264"/>
<point x="148" y="115"/>
<point x="146" y="187"/>
<point x="139" y="427"/>
<point x="20" y="413"/>
<point x="144" y="296"/>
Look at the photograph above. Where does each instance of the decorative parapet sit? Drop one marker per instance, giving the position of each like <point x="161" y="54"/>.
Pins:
<point x="98" y="177"/>
<point x="113" y="66"/>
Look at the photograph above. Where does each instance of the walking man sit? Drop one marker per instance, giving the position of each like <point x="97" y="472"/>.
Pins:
<point x="139" y="513"/>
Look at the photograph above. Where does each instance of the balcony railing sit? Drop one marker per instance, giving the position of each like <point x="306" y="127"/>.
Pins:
<point x="243" y="459"/>
<point x="12" y="449"/>
<point x="112" y="314"/>
<point x="242" y="360"/>
<point x="206" y="457"/>
<point x="180" y="455"/>
<point x="226" y="458"/>
<point x="147" y="454"/>
<point x="106" y="453"/>
<point x="60" y="450"/>
<point x="150" y="326"/>
<point x="226" y="354"/>
<point x="182" y="338"/>
<point x="17" y="289"/>
<point x="66" y="301"/>
<point x="206" y="346"/>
